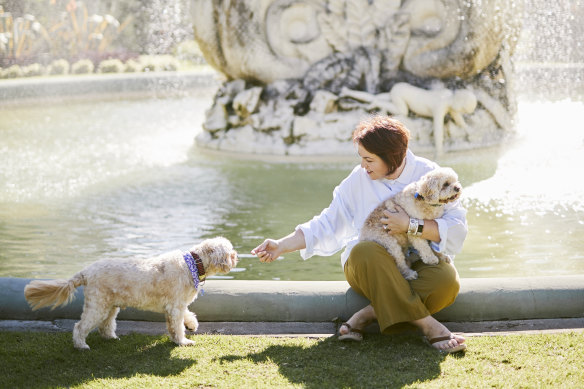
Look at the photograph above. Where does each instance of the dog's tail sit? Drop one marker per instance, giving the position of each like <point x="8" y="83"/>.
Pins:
<point x="41" y="294"/>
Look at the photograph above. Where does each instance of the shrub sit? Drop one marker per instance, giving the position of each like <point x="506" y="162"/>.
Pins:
<point x="148" y="63"/>
<point x="133" y="66"/>
<point x="83" y="66"/>
<point x="158" y="63"/>
<point x="13" y="71"/>
<point x="111" y="66"/>
<point x="59" y="66"/>
<point x="189" y="51"/>
<point x="169" y="64"/>
<point x="32" y="70"/>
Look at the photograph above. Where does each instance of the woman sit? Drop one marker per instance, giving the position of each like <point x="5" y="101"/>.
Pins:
<point x="387" y="166"/>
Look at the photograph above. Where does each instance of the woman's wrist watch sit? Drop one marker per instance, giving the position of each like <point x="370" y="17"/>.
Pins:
<point x="420" y="227"/>
<point x="416" y="227"/>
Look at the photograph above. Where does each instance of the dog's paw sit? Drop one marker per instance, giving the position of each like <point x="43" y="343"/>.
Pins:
<point x="192" y="328"/>
<point x="109" y="336"/>
<point x="444" y="257"/>
<point x="82" y="347"/>
<point x="411" y="275"/>
<point x="430" y="260"/>
<point x="185" y="342"/>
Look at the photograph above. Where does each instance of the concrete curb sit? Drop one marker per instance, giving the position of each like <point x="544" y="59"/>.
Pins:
<point x="87" y="86"/>
<point x="480" y="299"/>
<point x="304" y="329"/>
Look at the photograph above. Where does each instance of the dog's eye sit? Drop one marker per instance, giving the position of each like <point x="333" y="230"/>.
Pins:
<point x="446" y="185"/>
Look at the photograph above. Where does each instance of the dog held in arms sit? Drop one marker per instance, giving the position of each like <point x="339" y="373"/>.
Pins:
<point x="167" y="283"/>
<point x="423" y="199"/>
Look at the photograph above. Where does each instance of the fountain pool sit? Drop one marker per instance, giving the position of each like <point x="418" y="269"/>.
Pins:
<point x="85" y="180"/>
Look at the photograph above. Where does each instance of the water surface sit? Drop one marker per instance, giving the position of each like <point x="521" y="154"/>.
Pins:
<point x="82" y="181"/>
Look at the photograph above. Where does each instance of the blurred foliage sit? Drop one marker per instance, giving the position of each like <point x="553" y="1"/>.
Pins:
<point x="83" y="66"/>
<point x="142" y="63"/>
<point x="67" y="30"/>
<point x="58" y="67"/>
<point x="40" y="31"/>
<point x="111" y="66"/>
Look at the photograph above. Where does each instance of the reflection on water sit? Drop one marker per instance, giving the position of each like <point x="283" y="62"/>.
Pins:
<point x="114" y="179"/>
<point x="528" y="218"/>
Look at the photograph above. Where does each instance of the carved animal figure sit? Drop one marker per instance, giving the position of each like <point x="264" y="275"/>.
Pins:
<point x="432" y="103"/>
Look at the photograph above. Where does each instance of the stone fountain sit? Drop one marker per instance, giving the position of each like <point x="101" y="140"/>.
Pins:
<point x="300" y="74"/>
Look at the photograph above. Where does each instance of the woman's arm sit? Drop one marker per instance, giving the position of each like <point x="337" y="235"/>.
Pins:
<point x="271" y="249"/>
<point x="447" y="234"/>
<point x="398" y="223"/>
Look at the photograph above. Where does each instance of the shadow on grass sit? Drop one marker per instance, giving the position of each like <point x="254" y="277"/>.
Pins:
<point x="53" y="362"/>
<point x="378" y="361"/>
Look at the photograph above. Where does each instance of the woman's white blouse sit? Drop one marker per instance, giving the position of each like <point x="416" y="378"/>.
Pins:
<point x="357" y="195"/>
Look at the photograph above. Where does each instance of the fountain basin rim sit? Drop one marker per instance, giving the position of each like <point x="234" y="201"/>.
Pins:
<point x="24" y="90"/>
<point x="480" y="299"/>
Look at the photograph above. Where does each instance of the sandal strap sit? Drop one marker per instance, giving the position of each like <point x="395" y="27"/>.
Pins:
<point x="440" y="339"/>
<point x="351" y="329"/>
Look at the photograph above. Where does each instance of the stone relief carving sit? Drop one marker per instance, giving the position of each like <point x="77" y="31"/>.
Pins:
<point x="301" y="73"/>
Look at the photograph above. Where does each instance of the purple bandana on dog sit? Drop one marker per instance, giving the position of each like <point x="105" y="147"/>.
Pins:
<point x="190" y="260"/>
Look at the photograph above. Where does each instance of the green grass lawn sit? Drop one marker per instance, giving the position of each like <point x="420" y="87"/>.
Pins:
<point x="34" y="359"/>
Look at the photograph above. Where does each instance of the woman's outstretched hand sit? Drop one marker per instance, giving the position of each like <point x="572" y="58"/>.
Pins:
<point x="268" y="251"/>
<point x="271" y="249"/>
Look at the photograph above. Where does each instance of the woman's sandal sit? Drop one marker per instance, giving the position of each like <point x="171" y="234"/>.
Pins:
<point x="455" y="349"/>
<point x="354" y="334"/>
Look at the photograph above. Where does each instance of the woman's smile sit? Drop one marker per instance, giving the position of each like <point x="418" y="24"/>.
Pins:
<point x="372" y="164"/>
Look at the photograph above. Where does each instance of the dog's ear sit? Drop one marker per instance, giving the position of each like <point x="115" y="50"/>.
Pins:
<point x="224" y="268"/>
<point x="224" y="260"/>
<point x="220" y="255"/>
<point x="429" y="188"/>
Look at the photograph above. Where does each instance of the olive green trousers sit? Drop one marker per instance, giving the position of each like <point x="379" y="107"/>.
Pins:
<point x="371" y="271"/>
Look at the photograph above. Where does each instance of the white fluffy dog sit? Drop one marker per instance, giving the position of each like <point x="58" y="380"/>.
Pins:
<point x="423" y="199"/>
<point x="167" y="283"/>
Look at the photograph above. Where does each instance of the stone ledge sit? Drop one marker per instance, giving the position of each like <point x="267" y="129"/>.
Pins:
<point x="304" y="329"/>
<point x="88" y="86"/>
<point x="480" y="299"/>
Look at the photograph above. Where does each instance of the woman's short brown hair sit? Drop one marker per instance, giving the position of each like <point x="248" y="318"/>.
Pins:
<point x="385" y="137"/>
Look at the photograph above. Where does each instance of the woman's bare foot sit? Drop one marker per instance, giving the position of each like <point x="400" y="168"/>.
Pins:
<point x="439" y="336"/>
<point x="359" y="320"/>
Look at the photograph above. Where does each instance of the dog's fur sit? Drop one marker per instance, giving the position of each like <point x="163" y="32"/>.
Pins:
<point x="161" y="284"/>
<point x="437" y="188"/>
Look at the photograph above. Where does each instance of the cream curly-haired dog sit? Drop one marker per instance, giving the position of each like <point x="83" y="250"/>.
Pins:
<point x="423" y="199"/>
<point x="167" y="283"/>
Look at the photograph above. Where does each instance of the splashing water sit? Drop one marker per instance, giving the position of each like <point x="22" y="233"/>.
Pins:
<point x="541" y="170"/>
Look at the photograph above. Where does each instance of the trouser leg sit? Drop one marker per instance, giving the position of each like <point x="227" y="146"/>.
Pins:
<point x="372" y="272"/>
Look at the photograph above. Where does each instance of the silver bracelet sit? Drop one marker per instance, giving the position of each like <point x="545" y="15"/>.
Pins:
<point x="413" y="226"/>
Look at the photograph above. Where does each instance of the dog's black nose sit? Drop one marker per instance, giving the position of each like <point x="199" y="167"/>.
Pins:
<point x="457" y="188"/>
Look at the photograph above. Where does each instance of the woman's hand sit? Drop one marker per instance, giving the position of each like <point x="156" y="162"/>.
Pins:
<point x="268" y="251"/>
<point x="271" y="249"/>
<point x="396" y="222"/>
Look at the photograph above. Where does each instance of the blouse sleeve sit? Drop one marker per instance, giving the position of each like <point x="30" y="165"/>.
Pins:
<point x="328" y="232"/>
<point x="452" y="228"/>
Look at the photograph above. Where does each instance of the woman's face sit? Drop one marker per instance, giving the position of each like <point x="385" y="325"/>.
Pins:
<point x="374" y="165"/>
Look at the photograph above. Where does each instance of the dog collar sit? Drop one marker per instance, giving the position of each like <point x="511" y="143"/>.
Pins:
<point x="195" y="265"/>
<point x="420" y="197"/>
